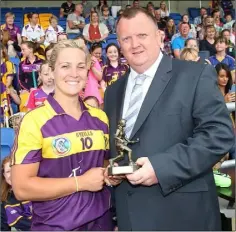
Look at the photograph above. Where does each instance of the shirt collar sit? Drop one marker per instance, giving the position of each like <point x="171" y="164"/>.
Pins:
<point x="56" y="106"/>
<point x="149" y="72"/>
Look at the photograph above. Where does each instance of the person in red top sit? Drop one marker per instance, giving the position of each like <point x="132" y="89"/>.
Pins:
<point x="95" y="31"/>
<point x="39" y="95"/>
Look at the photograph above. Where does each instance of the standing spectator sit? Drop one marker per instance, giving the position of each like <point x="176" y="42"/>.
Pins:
<point x="170" y="29"/>
<point x="39" y="95"/>
<point x="29" y="67"/>
<point x="221" y="56"/>
<point x="95" y="31"/>
<point x="99" y="6"/>
<point x="136" y="4"/>
<point x="178" y="43"/>
<point x="230" y="49"/>
<point x="198" y="19"/>
<point x="52" y="31"/>
<point x="14" y="31"/>
<point x="33" y="31"/>
<point x="14" y="213"/>
<point x="164" y="10"/>
<point x="67" y="8"/>
<point x="87" y="7"/>
<point x="108" y="20"/>
<point x="192" y="31"/>
<point x="115" y="7"/>
<point x="75" y="22"/>
<point x="208" y="44"/>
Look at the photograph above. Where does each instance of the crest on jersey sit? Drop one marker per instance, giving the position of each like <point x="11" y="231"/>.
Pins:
<point x="61" y="146"/>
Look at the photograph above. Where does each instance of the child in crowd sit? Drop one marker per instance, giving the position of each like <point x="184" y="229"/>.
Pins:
<point x="114" y="68"/>
<point x="221" y="56"/>
<point x="92" y="93"/>
<point x="189" y="54"/>
<point x="38" y="96"/>
<point x="14" y="213"/>
<point x="48" y="51"/>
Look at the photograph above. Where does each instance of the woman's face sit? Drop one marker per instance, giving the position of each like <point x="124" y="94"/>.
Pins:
<point x="209" y="21"/>
<point x="25" y="50"/>
<point x="185" y="19"/>
<point x="70" y="73"/>
<point x="9" y="20"/>
<point x="192" y="44"/>
<point x="61" y="37"/>
<point x="112" y="53"/>
<point x="222" y="78"/>
<point x="94" y="17"/>
<point x="54" y="23"/>
<point x="97" y="53"/>
<point x="210" y="33"/>
<point x="162" y="5"/>
<point x="7" y="172"/>
<point x="226" y="35"/>
<point x="171" y="23"/>
<point x="48" y="54"/>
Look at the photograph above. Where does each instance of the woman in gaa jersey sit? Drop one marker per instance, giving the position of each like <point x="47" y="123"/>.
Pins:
<point x="60" y="152"/>
<point x="114" y="68"/>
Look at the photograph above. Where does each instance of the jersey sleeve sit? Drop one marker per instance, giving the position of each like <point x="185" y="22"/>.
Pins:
<point x="31" y="101"/>
<point x="28" y="143"/>
<point x="23" y="33"/>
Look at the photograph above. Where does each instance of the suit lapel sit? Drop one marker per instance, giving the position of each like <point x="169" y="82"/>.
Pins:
<point x="159" y="82"/>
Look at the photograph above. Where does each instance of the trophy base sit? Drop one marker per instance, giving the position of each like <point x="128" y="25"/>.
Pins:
<point x="122" y="170"/>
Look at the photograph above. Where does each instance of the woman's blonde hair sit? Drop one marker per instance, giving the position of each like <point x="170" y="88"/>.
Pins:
<point x="53" y="17"/>
<point x="188" y="51"/>
<point x="58" y="47"/>
<point x="9" y="14"/>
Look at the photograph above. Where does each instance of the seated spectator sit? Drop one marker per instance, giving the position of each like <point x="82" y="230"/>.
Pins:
<point x="62" y="36"/>
<point x="81" y="42"/>
<point x="99" y="6"/>
<point x="48" y="51"/>
<point x="232" y="35"/>
<point x="198" y="19"/>
<point x="115" y="7"/>
<point x="218" y="24"/>
<point x="221" y="56"/>
<point x="201" y="29"/>
<point x="75" y="22"/>
<point x="87" y="7"/>
<point x="230" y="49"/>
<point x="95" y="31"/>
<point x="108" y="20"/>
<point x="191" y="43"/>
<point x="136" y="4"/>
<point x="39" y="95"/>
<point x="163" y="10"/>
<point x="208" y="44"/>
<point x="52" y="31"/>
<point x="33" y="31"/>
<point x="14" y="31"/>
<point x="228" y="22"/>
<point x="151" y="8"/>
<point x="192" y="31"/>
<point x="165" y="46"/>
<point x="189" y="54"/>
<point x="29" y="67"/>
<point x="170" y="29"/>
<point x="14" y="213"/>
<point x="225" y="81"/>
<point x="67" y="8"/>
<point x="178" y="43"/>
<point x="161" y="23"/>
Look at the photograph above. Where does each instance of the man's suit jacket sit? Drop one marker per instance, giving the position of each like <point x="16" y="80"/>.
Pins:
<point x="184" y="128"/>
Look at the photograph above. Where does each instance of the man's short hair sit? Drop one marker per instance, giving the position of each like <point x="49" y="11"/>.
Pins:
<point x="214" y="11"/>
<point x="130" y="13"/>
<point x="185" y="23"/>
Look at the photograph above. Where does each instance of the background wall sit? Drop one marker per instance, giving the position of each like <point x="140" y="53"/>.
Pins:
<point x="176" y="6"/>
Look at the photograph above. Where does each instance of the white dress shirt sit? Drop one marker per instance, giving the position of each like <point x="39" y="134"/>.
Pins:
<point x="150" y="73"/>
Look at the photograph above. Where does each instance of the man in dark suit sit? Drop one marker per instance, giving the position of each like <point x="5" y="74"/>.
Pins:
<point x="178" y="114"/>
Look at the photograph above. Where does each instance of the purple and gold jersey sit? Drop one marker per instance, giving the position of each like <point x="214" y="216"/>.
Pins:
<point x="111" y="74"/>
<point x="64" y="147"/>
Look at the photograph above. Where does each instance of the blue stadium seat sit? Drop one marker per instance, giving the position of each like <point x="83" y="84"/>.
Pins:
<point x="7" y="141"/>
<point x="109" y="41"/>
<point x="175" y="16"/>
<point x="4" y="10"/>
<point x="112" y="36"/>
<point x="30" y="9"/>
<point x="193" y="12"/>
<point x="62" y="23"/>
<point x="87" y="20"/>
<point x="17" y="10"/>
<point x="43" y="10"/>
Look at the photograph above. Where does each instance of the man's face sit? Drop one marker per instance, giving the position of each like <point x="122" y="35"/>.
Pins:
<point x="136" y="4"/>
<point x="216" y="15"/>
<point x="184" y="29"/>
<point x="105" y="12"/>
<point x="79" y="9"/>
<point x="203" y="12"/>
<point x="140" y="41"/>
<point x="35" y="19"/>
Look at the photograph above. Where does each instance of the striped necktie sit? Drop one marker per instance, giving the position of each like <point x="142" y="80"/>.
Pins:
<point x="134" y="104"/>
